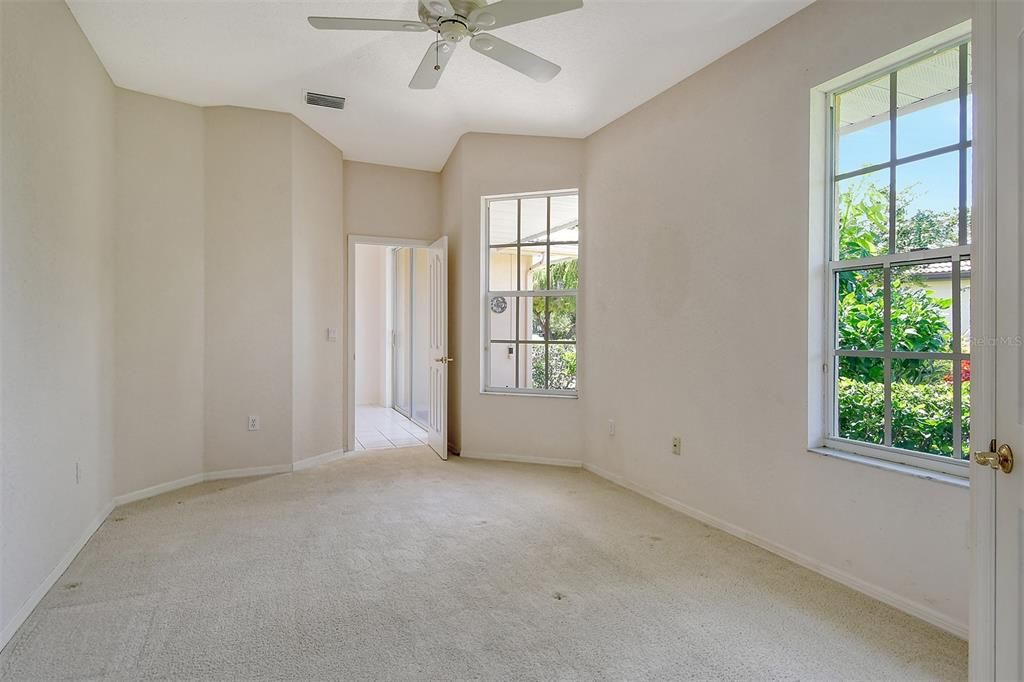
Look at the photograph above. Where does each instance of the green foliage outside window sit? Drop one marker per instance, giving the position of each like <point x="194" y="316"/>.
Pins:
<point x="558" y="323"/>
<point x="922" y="414"/>
<point x="922" y="391"/>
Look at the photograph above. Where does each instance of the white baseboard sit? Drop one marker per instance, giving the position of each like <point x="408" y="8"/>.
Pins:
<point x="524" y="459"/>
<point x="158" y="489"/>
<point x="247" y="472"/>
<point x="319" y="459"/>
<point x="37" y="594"/>
<point x="925" y="613"/>
<point x="162" y="488"/>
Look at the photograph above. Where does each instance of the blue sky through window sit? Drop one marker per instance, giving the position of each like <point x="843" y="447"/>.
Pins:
<point x="936" y="184"/>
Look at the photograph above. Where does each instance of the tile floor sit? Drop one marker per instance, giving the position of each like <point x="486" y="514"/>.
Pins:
<point x="378" y="428"/>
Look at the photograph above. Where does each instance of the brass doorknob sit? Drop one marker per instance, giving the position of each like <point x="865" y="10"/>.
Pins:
<point x="997" y="458"/>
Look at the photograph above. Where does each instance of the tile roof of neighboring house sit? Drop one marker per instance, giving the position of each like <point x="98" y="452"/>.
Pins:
<point x="942" y="270"/>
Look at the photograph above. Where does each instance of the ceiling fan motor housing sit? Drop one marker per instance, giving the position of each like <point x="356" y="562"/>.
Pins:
<point x="453" y="30"/>
<point x="452" y="27"/>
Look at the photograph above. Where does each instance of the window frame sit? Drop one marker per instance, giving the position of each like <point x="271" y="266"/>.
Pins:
<point x="521" y="294"/>
<point x="893" y="258"/>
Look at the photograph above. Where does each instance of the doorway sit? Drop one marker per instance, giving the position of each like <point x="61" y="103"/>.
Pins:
<point x="397" y="333"/>
<point x="389" y="348"/>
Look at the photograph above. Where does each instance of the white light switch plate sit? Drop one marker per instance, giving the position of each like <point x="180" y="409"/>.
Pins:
<point x="332" y="333"/>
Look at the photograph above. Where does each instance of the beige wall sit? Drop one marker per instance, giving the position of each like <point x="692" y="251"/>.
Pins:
<point x="483" y="165"/>
<point x="371" y="323"/>
<point x="317" y="287"/>
<point x="158" y="417"/>
<point x="452" y="176"/>
<point x="385" y="201"/>
<point x="248" y="293"/>
<point x="695" y="313"/>
<point x="57" y="296"/>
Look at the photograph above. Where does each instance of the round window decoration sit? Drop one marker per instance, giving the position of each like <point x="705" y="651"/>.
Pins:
<point x="499" y="304"/>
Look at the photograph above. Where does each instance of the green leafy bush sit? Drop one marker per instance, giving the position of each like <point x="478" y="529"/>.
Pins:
<point x="559" y="322"/>
<point x="922" y="414"/>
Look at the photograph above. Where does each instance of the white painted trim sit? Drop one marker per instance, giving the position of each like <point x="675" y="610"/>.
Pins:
<point x="316" y="460"/>
<point x="886" y="465"/>
<point x="171" y="486"/>
<point x="982" y="581"/>
<point x="913" y="608"/>
<point x="37" y="594"/>
<point x="158" y="489"/>
<point x="524" y="459"/>
<point x="250" y="471"/>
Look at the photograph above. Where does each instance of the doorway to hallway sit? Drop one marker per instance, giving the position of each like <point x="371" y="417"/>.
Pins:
<point x="398" y="339"/>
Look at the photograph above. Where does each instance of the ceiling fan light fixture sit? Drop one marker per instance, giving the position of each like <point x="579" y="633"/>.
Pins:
<point x="485" y="20"/>
<point x="440" y="8"/>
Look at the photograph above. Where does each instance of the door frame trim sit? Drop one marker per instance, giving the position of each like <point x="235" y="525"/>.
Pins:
<point x="349" y="420"/>
<point x="981" y="638"/>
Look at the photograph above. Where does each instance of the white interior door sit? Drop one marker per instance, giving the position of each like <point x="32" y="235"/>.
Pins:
<point x="997" y="634"/>
<point x="437" y="399"/>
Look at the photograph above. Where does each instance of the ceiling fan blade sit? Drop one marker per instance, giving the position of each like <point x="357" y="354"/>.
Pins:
<point x="432" y="67"/>
<point x="441" y="7"/>
<point x="537" y="68"/>
<point x="508" y="12"/>
<point x="343" y="24"/>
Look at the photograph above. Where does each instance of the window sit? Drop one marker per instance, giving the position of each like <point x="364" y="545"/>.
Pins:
<point x="899" y="268"/>
<point x="531" y="278"/>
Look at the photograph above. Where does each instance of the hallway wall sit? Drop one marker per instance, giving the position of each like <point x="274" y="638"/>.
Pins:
<point x="56" y="298"/>
<point x="149" y="297"/>
<point x="248" y="288"/>
<point x="371" y="324"/>
<point x="317" y="285"/>
<point x="160" y="312"/>
<point x="387" y="201"/>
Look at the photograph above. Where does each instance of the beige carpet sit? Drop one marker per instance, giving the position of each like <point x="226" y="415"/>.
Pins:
<point x="395" y="565"/>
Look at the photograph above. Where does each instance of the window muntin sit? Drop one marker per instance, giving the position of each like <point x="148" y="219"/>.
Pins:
<point x="531" y="280"/>
<point x="899" y="268"/>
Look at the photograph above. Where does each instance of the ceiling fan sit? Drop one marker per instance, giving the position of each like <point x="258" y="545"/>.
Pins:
<point x="456" y="20"/>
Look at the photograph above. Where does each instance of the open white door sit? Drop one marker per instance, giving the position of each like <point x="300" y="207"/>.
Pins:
<point x="437" y="401"/>
<point x="997" y="634"/>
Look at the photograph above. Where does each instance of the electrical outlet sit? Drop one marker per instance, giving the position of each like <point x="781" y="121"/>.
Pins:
<point x="611" y="427"/>
<point x="254" y="423"/>
<point x="677" y="445"/>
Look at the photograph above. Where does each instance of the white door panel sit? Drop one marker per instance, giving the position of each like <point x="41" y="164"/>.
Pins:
<point x="437" y="426"/>
<point x="997" y="635"/>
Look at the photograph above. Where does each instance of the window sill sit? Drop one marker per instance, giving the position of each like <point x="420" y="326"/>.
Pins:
<point x="527" y="394"/>
<point x="905" y="469"/>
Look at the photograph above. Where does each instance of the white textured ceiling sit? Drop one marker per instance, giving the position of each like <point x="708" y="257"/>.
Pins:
<point x="615" y="54"/>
